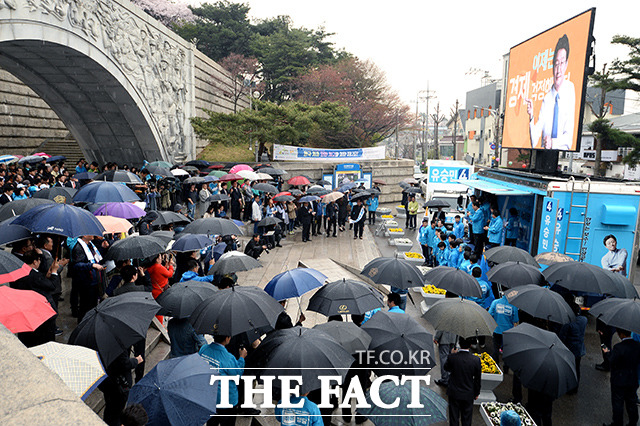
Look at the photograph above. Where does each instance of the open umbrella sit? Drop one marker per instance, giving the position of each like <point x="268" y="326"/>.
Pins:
<point x="136" y="247"/>
<point x="177" y="392"/>
<point x="218" y="198"/>
<point x="191" y="242"/>
<point x="116" y="324"/>
<point x="230" y="177"/>
<point x="17" y="207"/>
<point x="580" y="276"/>
<point x="217" y="173"/>
<point x="392" y="271"/>
<point x="309" y="199"/>
<point x="512" y="274"/>
<point x="502" y="254"/>
<point x="332" y="196"/>
<point x="198" y="163"/>
<point x="462" y="317"/>
<point x="294" y="283"/>
<point x="182" y="298"/>
<point x="168" y="217"/>
<point x="119" y="176"/>
<point x="404" y="185"/>
<point x="239" y="167"/>
<point x="361" y="196"/>
<point x="60" y="219"/>
<point x="8" y="159"/>
<point x="236" y="310"/>
<point x="265" y="187"/>
<point x="435" y="203"/>
<point x="212" y="226"/>
<point x="345" y="297"/>
<point x="351" y="337"/>
<point x="79" y="368"/>
<point x="454" y="281"/>
<point x="179" y="172"/>
<point x="414" y="190"/>
<point x="296" y="192"/>
<point x="164" y="236"/>
<point x="400" y="333"/>
<point x="373" y="191"/>
<point x="85" y="175"/>
<point x="313" y="189"/>
<point x="619" y="313"/>
<point x="210" y="179"/>
<point x="10" y="233"/>
<point x="159" y="170"/>
<point x="433" y="410"/>
<point x="104" y="192"/>
<point x="249" y="175"/>
<point x="540" y="359"/>
<point x="197" y="180"/>
<point x="56" y="158"/>
<point x="301" y="351"/>
<point x="32" y="159"/>
<point x="283" y="198"/>
<point x="298" y="180"/>
<point x="323" y="182"/>
<point x="410" y="180"/>
<point x="541" y="302"/>
<point x="114" y="225"/>
<point x="272" y="171"/>
<point x="379" y="181"/>
<point x="549" y="258"/>
<point x="624" y="288"/>
<point x="57" y="194"/>
<point x="122" y="210"/>
<point x="268" y="221"/>
<point x="23" y="310"/>
<point x="234" y="261"/>
<point x="164" y="164"/>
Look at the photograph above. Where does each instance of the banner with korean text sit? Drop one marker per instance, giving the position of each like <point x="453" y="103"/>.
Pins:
<point x="297" y="153"/>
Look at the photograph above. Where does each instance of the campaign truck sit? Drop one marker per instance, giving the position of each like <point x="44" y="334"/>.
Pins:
<point x="569" y="215"/>
<point x="444" y="180"/>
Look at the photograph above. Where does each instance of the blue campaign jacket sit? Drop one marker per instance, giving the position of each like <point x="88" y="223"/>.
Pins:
<point x="307" y="415"/>
<point x="373" y="204"/>
<point x="495" y="230"/>
<point x="512" y="228"/>
<point x="193" y="276"/>
<point x="458" y="229"/>
<point x="477" y="221"/>
<point x="423" y="235"/>
<point x="226" y="365"/>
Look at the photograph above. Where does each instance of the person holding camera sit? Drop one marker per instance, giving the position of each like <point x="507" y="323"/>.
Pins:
<point x="160" y="271"/>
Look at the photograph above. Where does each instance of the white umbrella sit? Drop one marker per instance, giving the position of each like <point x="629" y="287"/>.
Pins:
<point x="248" y="174"/>
<point x="78" y="367"/>
<point x="264" y="176"/>
<point x="179" y="172"/>
<point x="332" y="196"/>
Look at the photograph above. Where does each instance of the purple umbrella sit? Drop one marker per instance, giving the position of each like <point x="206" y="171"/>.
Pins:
<point x="122" y="210"/>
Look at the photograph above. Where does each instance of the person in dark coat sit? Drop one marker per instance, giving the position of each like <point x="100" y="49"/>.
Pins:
<point x="332" y="218"/>
<point x="358" y="218"/>
<point x="305" y="217"/>
<point x="343" y="212"/>
<point x="236" y="200"/>
<point x="117" y="385"/>
<point x="464" y="383"/>
<point x="46" y="286"/>
<point x="284" y="320"/>
<point x="624" y="359"/>
<point x="254" y="247"/>
<point x="86" y="274"/>
<point x="572" y="335"/>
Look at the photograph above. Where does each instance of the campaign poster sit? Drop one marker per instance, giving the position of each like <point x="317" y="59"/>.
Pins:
<point x="546" y="87"/>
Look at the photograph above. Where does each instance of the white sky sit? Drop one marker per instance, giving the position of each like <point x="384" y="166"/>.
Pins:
<point x="420" y="42"/>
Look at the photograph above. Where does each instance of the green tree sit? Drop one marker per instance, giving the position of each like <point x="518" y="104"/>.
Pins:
<point x="629" y="69"/>
<point x="610" y="137"/>
<point x="291" y="123"/>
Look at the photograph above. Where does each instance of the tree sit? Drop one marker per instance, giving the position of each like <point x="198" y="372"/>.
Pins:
<point x="375" y="109"/>
<point x="244" y="72"/>
<point x="291" y="123"/>
<point x="629" y="69"/>
<point x="605" y="82"/>
<point x="612" y="137"/>
<point x="168" y="12"/>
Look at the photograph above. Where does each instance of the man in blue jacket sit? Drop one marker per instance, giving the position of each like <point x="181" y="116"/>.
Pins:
<point x="424" y="238"/>
<point x="372" y="205"/>
<point x="494" y="230"/>
<point x="224" y="364"/>
<point x="307" y="415"/>
<point x="192" y="273"/>
<point x="477" y="225"/>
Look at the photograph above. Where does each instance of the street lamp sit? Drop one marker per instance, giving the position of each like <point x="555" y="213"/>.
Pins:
<point x="496" y="133"/>
<point x="426" y="95"/>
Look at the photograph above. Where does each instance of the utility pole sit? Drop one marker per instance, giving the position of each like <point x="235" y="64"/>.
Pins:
<point x="426" y="126"/>
<point x="437" y="119"/>
<point x="454" y="139"/>
<point x="397" y="134"/>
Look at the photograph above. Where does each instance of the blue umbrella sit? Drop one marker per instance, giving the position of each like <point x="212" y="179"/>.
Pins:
<point x="191" y="242"/>
<point x="177" y="392"/>
<point x="10" y="233"/>
<point x="60" y="219"/>
<point x="104" y="192"/>
<point x="308" y="198"/>
<point x="218" y="250"/>
<point x="294" y="283"/>
<point x="346" y="187"/>
<point x="56" y="158"/>
<point x="209" y="179"/>
<point x="85" y="175"/>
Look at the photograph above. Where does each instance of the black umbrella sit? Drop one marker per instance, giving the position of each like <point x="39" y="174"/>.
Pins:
<point x="345" y="297"/>
<point x="300" y="351"/>
<point x="265" y="187"/>
<point x="272" y="171"/>
<point x="541" y="302"/>
<point x="191" y="242"/>
<point x="12" y="268"/>
<point x="580" y="276"/>
<point x="17" y="207"/>
<point x="58" y="194"/>
<point x="373" y="191"/>
<point x="393" y="271"/>
<point x="323" y="182"/>
<point x="624" y="288"/>
<point x="219" y="197"/>
<point x="454" y="281"/>
<point x="234" y="261"/>
<point x="435" y="203"/>
<point x="295" y="192"/>
<point x="158" y="170"/>
<point x="194" y="180"/>
<point x="190" y="168"/>
<point x="116" y="324"/>
<point x="10" y="233"/>
<point x="85" y="176"/>
<point x="404" y="185"/>
<point x="361" y="196"/>
<point x="351" y="337"/>
<point x="198" y="163"/>
<point x="399" y="333"/>
<point x="164" y="236"/>
<point x="212" y="226"/>
<point x="136" y="247"/>
<point x="414" y="190"/>
<point x="540" y="359"/>
<point x="314" y="189"/>
<point x="181" y="299"/>
<point x="167" y="217"/>
<point x="462" y="317"/>
<point x="237" y="310"/>
<point x="512" y="274"/>
<point x="268" y="221"/>
<point x="619" y="313"/>
<point x="119" y="176"/>
<point x="502" y="254"/>
<point x="284" y="198"/>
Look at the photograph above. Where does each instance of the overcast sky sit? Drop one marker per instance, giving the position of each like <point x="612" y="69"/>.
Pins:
<point x="436" y="43"/>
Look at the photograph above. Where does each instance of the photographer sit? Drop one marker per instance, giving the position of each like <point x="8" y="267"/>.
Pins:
<point x="255" y="248"/>
<point x="152" y="196"/>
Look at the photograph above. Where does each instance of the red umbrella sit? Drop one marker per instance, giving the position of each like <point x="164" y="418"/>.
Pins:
<point x="282" y="193"/>
<point x="216" y="166"/>
<point x="230" y="176"/>
<point x="23" y="310"/>
<point x="240" y="167"/>
<point x="12" y="268"/>
<point x="298" y="180"/>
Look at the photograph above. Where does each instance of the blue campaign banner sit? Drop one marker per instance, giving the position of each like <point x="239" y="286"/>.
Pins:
<point x="448" y="174"/>
<point x="546" y="239"/>
<point x="293" y="153"/>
